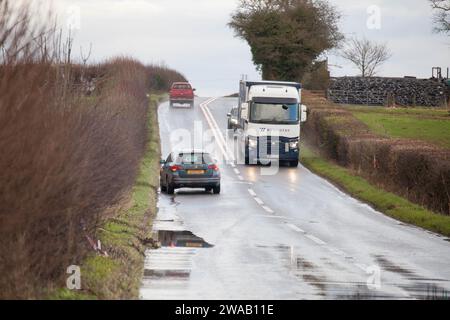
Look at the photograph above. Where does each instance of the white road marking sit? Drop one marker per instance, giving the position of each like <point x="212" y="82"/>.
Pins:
<point x="259" y="201"/>
<point x="223" y="147"/>
<point x="215" y="129"/>
<point x="220" y="140"/>
<point x="214" y="122"/>
<point x="253" y="194"/>
<point x="268" y="209"/>
<point x="295" y="228"/>
<point x="315" y="239"/>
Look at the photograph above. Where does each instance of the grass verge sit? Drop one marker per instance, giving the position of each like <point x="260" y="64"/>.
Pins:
<point x="118" y="276"/>
<point x="386" y="202"/>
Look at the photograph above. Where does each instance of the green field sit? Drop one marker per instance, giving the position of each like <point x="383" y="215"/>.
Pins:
<point x="430" y="125"/>
<point x="419" y="111"/>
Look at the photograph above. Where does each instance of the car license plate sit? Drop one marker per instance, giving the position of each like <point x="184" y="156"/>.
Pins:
<point x="194" y="245"/>
<point x="196" y="171"/>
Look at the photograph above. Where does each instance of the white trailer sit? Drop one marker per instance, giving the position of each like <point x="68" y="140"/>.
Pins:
<point x="269" y="115"/>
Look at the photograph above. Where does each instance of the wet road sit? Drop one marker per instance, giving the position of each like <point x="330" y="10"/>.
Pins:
<point x="291" y="235"/>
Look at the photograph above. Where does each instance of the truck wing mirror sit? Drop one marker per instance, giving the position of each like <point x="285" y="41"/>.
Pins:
<point x="229" y="115"/>
<point x="304" y="113"/>
<point x="244" y="110"/>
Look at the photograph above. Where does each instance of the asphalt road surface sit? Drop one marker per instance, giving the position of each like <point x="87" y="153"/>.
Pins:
<point x="291" y="235"/>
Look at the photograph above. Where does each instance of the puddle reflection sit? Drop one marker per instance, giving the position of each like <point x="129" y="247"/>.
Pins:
<point x="186" y="239"/>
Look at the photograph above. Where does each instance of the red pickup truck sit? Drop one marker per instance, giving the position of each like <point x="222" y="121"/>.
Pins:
<point x="181" y="93"/>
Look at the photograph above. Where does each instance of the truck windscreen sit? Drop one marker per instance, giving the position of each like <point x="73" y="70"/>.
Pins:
<point x="274" y="113"/>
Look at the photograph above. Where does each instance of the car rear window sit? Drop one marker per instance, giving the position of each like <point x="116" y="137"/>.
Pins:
<point x="197" y="158"/>
<point x="181" y="86"/>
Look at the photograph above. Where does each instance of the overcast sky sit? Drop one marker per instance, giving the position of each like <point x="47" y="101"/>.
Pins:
<point x="192" y="36"/>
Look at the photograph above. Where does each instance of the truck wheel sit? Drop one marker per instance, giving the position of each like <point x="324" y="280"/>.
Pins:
<point x="293" y="164"/>
<point x="247" y="156"/>
<point x="216" y="189"/>
<point x="170" y="189"/>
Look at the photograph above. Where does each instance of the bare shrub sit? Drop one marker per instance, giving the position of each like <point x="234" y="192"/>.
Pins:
<point x="161" y="77"/>
<point x="67" y="159"/>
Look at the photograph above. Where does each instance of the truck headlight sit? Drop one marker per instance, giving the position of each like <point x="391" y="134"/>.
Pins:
<point x="293" y="144"/>
<point x="252" y="143"/>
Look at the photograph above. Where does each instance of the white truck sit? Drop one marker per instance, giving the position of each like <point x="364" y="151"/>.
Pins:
<point x="269" y="117"/>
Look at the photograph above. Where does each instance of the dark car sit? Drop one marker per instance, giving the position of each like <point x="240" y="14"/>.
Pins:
<point x="181" y="93"/>
<point x="233" y="121"/>
<point x="189" y="169"/>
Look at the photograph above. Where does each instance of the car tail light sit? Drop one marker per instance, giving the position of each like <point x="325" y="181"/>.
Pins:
<point x="175" y="168"/>
<point x="214" y="167"/>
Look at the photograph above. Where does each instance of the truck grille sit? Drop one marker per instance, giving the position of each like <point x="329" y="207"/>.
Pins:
<point x="273" y="147"/>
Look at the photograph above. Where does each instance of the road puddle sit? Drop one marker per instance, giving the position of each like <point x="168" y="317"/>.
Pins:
<point x="392" y="267"/>
<point x="420" y="287"/>
<point x="167" y="269"/>
<point x="170" y="238"/>
<point x="173" y="258"/>
<point x="426" y="291"/>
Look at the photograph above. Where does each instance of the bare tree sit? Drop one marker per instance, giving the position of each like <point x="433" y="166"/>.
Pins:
<point x="441" y="15"/>
<point x="367" y="56"/>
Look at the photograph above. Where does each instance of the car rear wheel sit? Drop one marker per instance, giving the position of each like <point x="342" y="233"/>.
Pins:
<point x="216" y="189"/>
<point x="163" y="187"/>
<point x="170" y="189"/>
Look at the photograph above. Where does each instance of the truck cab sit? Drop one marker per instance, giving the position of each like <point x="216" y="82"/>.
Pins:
<point x="269" y="115"/>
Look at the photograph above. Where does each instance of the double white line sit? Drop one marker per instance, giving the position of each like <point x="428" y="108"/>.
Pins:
<point x="220" y="140"/>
